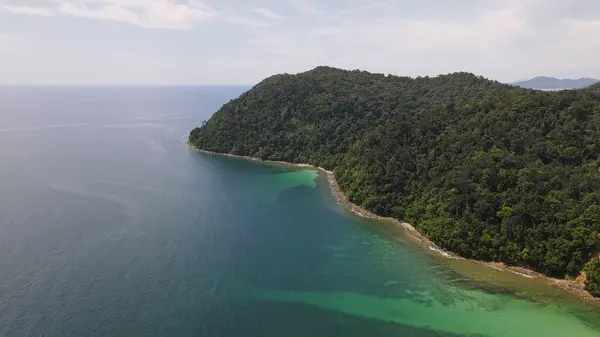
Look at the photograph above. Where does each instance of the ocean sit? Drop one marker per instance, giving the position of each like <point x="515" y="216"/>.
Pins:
<point x="111" y="226"/>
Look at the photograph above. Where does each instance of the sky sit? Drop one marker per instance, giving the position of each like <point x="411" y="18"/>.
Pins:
<point x="174" y="42"/>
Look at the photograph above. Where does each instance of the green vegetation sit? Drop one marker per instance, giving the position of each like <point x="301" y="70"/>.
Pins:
<point x="592" y="271"/>
<point x="489" y="171"/>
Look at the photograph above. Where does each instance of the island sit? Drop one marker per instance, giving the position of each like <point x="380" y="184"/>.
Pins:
<point x="553" y="83"/>
<point x="486" y="170"/>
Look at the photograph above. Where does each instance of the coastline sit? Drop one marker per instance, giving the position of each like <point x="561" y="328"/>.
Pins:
<point x="575" y="286"/>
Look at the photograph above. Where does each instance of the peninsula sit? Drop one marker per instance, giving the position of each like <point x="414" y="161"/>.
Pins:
<point x="485" y="170"/>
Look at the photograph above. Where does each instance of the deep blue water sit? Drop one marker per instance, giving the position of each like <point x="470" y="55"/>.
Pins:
<point x="110" y="225"/>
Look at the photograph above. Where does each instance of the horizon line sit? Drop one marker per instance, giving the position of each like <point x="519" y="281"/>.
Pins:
<point x="123" y="85"/>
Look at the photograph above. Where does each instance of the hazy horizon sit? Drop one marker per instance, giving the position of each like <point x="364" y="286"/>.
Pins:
<point x="238" y="85"/>
<point x="205" y="42"/>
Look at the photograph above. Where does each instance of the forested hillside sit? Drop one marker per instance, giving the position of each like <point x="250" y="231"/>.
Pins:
<point x="489" y="171"/>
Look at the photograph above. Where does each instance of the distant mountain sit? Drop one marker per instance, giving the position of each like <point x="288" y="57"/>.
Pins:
<point x="543" y="82"/>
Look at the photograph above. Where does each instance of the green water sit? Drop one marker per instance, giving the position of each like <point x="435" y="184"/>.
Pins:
<point x="460" y="312"/>
<point x="403" y="283"/>
<point x="111" y="226"/>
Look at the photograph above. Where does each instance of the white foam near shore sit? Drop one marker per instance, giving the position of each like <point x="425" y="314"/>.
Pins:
<point x="521" y="274"/>
<point x="443" y="253"/>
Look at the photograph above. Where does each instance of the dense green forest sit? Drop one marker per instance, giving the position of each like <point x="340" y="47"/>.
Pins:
<point x="487" y="170"/>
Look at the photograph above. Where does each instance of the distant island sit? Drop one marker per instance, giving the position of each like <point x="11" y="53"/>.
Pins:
<point x="552" y="83"/>
<point x="487" y="170"/>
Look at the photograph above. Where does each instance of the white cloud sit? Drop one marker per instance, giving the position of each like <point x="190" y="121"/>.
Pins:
<point x="9" y="43"/>
<point x="504" y="40"/>
<point x="363" y="9"/>
<point x="267" y="13"/>
<point x="26" y="10"/>
<point x="5" y="43"/>
<point x="306" y="7"/>
<point x="501" y="39"/>
<point x="389" y="44"/>
<point x="157" y="14"/>
<point x="238" y="20"/>
<point x="577" y="46"/>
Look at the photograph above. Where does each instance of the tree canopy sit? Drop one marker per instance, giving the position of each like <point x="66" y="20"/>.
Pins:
<point x="487" y="170"/>
<point x="592" y="271"/>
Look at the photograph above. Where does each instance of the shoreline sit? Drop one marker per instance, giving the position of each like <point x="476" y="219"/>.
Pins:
<point x="575" y="287"/>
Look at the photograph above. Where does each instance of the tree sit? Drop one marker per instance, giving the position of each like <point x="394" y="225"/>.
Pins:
<point x="592" y="273"/>
<point x="483" y="169"/>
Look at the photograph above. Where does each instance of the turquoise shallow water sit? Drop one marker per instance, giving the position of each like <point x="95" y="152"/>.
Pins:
<point x="110" y="225"/>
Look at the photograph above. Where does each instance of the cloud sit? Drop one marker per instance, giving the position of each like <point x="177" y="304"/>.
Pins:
<point x="306" y="7"/>
<point x="5" y="43"/>
<point x="26" y="10"/>
<point x="578" y="44"/>
<point x="363" y="9"/>
<point x="387" y="41"/>
<point x="9" y="43"/>
<point x="501" y="39"/>
<point x="388" y="34"/>
<point x="239" y="20"/>
<point x="155" y="14"/>
<point x="267" y="13"/>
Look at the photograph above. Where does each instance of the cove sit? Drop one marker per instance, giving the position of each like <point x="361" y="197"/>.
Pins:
<point x="371" y="271"/>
